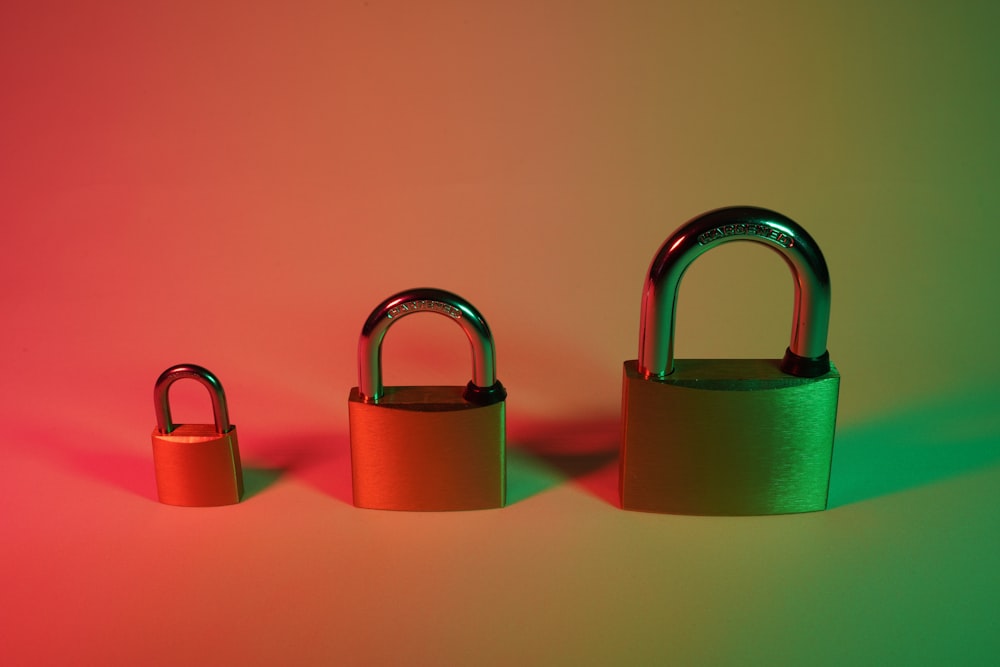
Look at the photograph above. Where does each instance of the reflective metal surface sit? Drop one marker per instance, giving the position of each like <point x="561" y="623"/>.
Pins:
<point x="196" y="465"/>
<point x="415" y="301"/>
<point x="161" y="399"/>
<point x="427" y="449"/>
<point x="727" y="437"/>
<point x="811" y="318"/>
<point x="730" y="436"/>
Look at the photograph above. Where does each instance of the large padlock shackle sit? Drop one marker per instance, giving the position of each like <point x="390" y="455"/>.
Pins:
<point x="161" y="399"/>
<point x="483" y="388"/>
<point x="807" y="354"/>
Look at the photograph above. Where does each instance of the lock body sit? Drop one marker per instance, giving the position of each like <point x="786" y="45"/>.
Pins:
<point x="727" y="437"/>
<point x="196" y="466"/>
<point x="427" y="449"/>
<point x="730" y="436"/>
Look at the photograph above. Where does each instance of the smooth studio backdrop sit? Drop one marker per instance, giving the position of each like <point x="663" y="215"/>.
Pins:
<point x="238" y="184"/>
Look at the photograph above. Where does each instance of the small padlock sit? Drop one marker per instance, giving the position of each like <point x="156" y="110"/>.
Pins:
<point x="197" y="465"/>
<point x="428" y="448"/>
<point x="730" y="436"/>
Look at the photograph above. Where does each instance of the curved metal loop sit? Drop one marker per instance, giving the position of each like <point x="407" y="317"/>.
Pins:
<point x="419" y="300"/>
<point x="161" y="399"/>
<point x="806" y="355"/>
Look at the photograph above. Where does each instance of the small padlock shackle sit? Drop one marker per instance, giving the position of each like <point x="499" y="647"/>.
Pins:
<point x="161" y="399"/>
<point x="483" y="389"/>
<point x="806" y="355"/>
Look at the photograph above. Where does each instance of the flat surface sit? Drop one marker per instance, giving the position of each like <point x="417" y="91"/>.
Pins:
<point x="238" y="186"/>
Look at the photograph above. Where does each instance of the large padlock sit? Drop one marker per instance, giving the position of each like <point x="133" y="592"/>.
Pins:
<point x="730" y="436"/>
<point x="428" y="448"/>
<point x="197" y="465"/>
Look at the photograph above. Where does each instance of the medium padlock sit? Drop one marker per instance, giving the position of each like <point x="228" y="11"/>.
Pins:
<point x="197" y="465"/>
<point x="428" y="448"/>
<point x="730" y="436"/>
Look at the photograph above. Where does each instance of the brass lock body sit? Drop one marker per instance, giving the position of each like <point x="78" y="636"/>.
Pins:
<point x="428" y="448"/>
<point x="196" y="465"/>
<point x="730" y="436"/>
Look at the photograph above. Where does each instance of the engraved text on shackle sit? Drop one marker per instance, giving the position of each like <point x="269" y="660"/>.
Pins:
<point x="423" y="304"/>
<point x="747" y="229"/>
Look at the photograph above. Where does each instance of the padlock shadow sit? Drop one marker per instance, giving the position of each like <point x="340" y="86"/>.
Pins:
<point x="131" y="473"/>
<point x="321" y="460"/>
<point x="135" y="473"/>
<point x="120" y="467"/>
<point x="935" y="440"/>
<point x="545" y="454"/>
<point x="258" y="479"/>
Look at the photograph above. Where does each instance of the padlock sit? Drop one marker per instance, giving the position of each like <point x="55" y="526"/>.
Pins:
<point x="730" y="436"/>
<point x="428" y="448"/>
<point x="197" y="465"/>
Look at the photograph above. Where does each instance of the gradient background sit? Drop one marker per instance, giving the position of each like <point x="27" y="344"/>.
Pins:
<point x="238" y="184"/>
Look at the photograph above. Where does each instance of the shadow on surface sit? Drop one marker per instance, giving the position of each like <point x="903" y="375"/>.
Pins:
<point x="257" y="479"/>
<point x="542" y="455"/>
<point x="136" y="474"/>
<point x="132" y="473"/>
<point x="926" y="443"/>
<point x="944" y="437"/>
<point x="89" y="452"/>
<point x="323" y="461"/>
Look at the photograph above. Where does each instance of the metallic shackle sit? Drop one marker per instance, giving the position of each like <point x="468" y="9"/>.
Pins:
<point x="484" y="387"/>
<point x="807" y="354"/>
<point x="161" y="399"/>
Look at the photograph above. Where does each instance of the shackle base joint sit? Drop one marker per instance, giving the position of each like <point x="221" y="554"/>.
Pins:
<point x="484" y="395"/>
<point x="805" y="367"/>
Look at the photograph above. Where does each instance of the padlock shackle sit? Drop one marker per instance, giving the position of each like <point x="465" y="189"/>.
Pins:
<point x="161" y="398"/>
<point x="807" y="354"/>
<point x="483" y="387"/>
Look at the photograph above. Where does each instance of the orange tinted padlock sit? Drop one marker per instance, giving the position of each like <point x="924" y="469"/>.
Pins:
<point x="197" y="465"/>
<point x="428" y="448"/>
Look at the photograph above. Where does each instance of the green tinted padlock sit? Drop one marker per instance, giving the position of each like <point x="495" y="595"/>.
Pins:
<point x="730" y="436"/>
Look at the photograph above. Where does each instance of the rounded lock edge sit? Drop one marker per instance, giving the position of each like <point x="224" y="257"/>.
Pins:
<point x="161" y="397"/>
<point x="806" y="355"/>
<point x="483" y="389"/>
